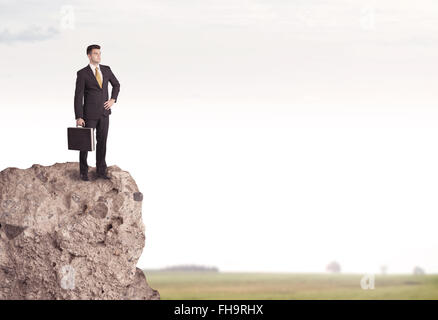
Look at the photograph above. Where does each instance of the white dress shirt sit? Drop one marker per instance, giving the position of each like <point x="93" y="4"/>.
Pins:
<point x="93" y="68"/>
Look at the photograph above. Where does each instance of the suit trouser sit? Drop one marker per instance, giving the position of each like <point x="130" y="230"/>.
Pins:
<point x="101" y="125"/>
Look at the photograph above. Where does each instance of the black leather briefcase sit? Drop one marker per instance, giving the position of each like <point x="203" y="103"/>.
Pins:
<point x="81" y="138"/>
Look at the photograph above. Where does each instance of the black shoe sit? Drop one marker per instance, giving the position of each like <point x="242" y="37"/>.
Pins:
<point x="84" y="177"/>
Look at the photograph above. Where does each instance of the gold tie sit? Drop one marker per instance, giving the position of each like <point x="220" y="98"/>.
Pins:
<point x="98" y="77"/>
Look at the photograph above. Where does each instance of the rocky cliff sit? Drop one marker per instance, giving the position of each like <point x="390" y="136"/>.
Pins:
<point x="64" y="238"/>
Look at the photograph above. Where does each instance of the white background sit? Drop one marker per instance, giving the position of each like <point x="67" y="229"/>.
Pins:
<point x="264" y="135"/>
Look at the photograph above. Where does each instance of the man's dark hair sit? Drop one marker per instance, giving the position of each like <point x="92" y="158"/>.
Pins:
<point x="91" y="47"/>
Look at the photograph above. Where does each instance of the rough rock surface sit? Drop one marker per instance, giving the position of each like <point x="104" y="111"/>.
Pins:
<point x="64" y="238"/>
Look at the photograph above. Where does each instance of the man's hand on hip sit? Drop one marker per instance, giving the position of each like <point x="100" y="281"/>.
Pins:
<point x="107" y="105"/>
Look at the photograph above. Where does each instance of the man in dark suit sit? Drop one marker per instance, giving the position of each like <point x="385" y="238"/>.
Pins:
<point x="94" y="110"/>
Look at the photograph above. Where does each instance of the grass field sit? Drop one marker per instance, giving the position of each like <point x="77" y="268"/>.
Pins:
<point x="224" y="285"/>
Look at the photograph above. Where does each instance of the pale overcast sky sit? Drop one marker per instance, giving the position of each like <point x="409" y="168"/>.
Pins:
<point x="277" y="135"/>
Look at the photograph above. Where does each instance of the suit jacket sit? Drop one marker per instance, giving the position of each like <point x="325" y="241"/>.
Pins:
<point x="88" y="90"/>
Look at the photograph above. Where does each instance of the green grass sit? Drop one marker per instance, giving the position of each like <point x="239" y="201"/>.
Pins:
<point x="234" y="285"/>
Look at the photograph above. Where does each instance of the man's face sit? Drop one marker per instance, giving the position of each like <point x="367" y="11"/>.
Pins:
<point x="94" y="56"/>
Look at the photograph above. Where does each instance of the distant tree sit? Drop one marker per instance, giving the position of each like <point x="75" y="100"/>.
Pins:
<point x="333" y="267"/>
<point x="418" y="271"/>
